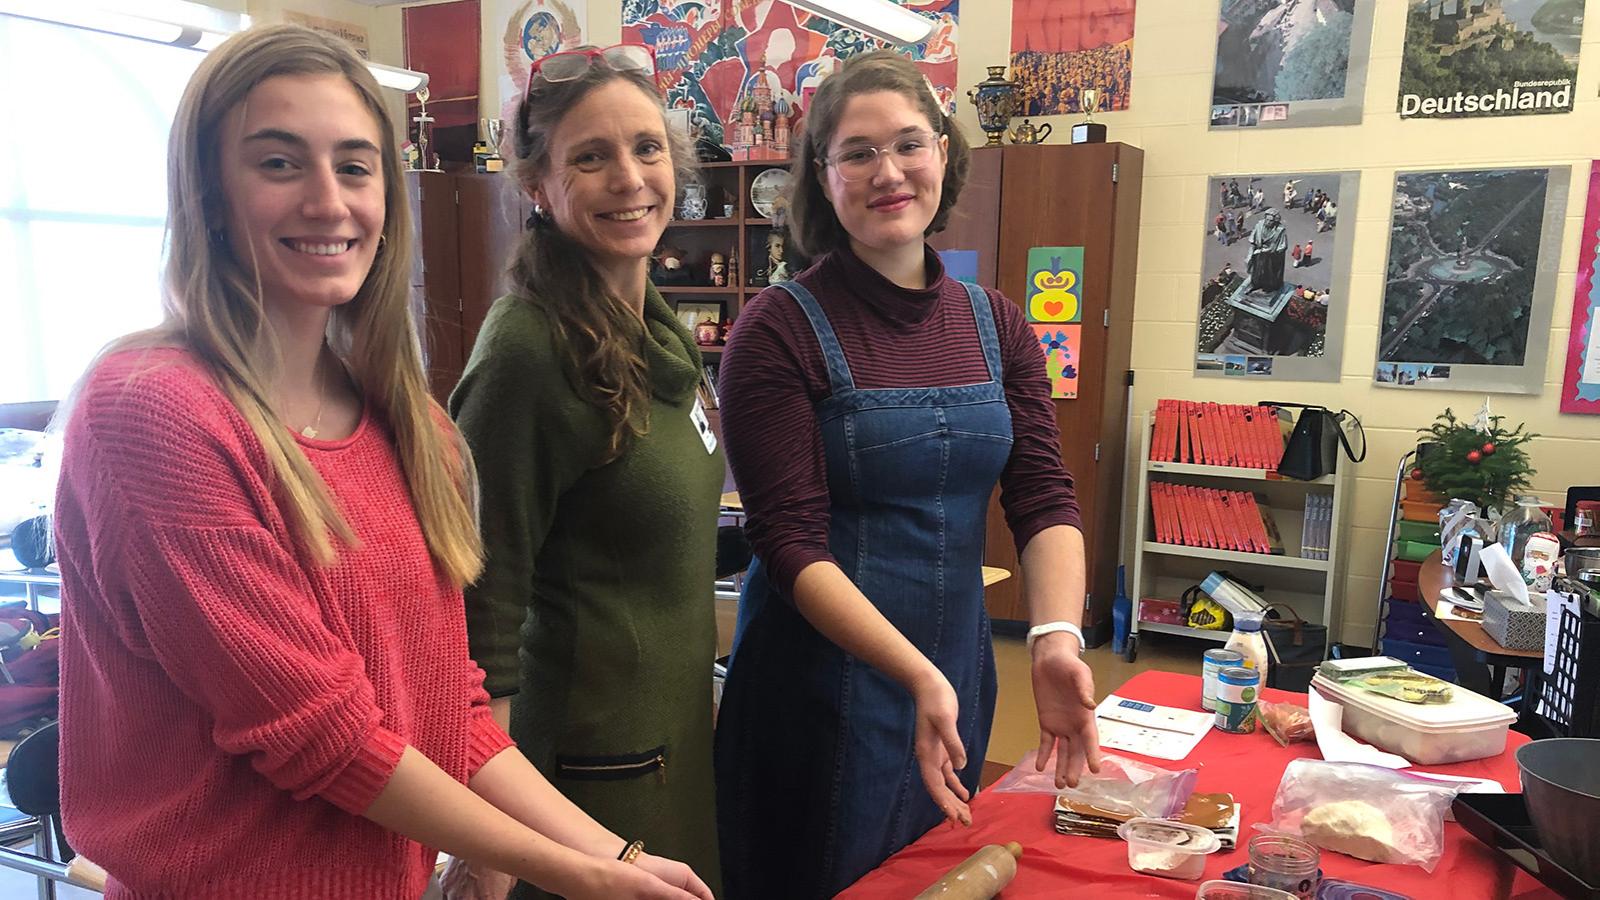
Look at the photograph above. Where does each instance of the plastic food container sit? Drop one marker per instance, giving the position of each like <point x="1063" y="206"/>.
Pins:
<point x="1233" y="890"/>
<point x="1167" y="848"/>
<point x="1470" y="726"/>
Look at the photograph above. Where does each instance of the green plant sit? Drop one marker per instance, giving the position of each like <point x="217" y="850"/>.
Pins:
<point x="1488" y="467"/>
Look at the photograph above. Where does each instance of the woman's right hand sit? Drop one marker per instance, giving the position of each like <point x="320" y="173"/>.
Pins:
<point x="610" y="879"/>
<point x="938" y="745"/>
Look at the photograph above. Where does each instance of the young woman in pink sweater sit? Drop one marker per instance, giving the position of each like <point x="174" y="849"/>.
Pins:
<point x="264" y="527"/>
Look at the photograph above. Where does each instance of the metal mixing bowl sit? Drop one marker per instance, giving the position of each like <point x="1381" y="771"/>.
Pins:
<point x="1561" y="785"/>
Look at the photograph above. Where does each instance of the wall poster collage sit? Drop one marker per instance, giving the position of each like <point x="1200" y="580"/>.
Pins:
<point x="1054" y="305"/>
<point x="1289" y="65"/>
<point x="530" y="29"/>
<point x="1275" y="279"/>
<point x="720" y="60"/>
<point x="1580" y="390"/>
<point x="1469" y="287"/>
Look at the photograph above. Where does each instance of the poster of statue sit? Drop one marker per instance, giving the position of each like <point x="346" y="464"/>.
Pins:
<point x="1580" y="390"/>
<point x="529" y="29"/>
<point x="1274" y="287"/>
<point x="738" y="67"/>
<point x="1470" y="279"/>
<point x="1291" y="65"/>
<point x="1058" y="48"/>
<point x="1478" y="58"/>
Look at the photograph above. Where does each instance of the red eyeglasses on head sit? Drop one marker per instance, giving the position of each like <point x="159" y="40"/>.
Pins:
<point x="570" y="65"/>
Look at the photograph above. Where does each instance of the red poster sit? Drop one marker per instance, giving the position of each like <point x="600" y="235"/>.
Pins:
<point x="443" y="41"/>
<point x="1581" y="391"/>
<point x="1061" y="46"/>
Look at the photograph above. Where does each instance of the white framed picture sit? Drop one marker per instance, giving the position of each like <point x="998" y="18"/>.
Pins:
<point x="692" y="314"/>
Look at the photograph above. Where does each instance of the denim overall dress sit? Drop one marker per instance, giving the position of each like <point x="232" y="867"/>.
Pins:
<point x="817" y="781"/>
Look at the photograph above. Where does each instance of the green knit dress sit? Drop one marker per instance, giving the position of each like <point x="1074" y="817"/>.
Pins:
<point x="595" y="608"/>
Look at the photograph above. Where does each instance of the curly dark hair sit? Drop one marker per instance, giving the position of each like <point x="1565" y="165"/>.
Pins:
<point x="813" y="223"/>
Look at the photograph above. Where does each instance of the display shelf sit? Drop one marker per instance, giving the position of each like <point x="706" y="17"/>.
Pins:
<point x="1175" y="468"/>
<point x="1186" y="631"/>
<point x="1309" y="586"/>
<point x="705" y="223"/>
<point x="1234" y="556"/>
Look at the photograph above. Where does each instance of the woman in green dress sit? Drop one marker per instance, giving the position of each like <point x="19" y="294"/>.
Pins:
<point x="600" y="477"/>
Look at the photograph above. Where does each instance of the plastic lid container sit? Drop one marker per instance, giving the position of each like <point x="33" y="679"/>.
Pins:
<point x="1167" y="848"/>
<point x="1233" y="890"/>
<point x="1247" y="622"/>
<point x="1470" y="726"/>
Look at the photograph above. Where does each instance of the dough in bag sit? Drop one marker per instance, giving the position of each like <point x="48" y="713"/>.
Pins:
<point x="1352" y="827"/>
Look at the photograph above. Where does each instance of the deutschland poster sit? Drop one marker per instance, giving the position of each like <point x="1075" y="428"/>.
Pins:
<point x="1288" y="65"/>
<point x="1275" y="289"/>
<point x="1481" y="58"/>
<point x="1470" y="279"/>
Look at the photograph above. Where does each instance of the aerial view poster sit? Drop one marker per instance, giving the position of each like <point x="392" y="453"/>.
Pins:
<point x="1059" y="48"/>
<point x="738" y="68"/>
<point x="1474" y="58"/>
<point x="1289" y="65"/>
<point x="1470" y="279"/>
<point x="1580" y="390"/>
<point x="1274" y="290"/>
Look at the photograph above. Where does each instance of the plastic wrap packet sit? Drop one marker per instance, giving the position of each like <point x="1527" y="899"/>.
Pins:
<point x="1288" y="723"/>
<point x="1409" y="685"/>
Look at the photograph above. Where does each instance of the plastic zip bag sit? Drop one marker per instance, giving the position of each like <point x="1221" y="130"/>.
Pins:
<point x="1124" y="787"/>
<point x="1369" y="812"/>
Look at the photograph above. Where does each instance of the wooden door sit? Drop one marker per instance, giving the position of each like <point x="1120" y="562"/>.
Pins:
<point x="491" y="211"/>
<point x="1084" y="195"/>
<point x="436" y="278"/>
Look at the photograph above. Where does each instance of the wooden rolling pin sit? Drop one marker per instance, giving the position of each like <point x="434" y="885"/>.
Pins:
<point x="980" y="877"/>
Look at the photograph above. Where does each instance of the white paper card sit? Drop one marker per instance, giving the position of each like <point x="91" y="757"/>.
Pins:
<point x="697" y="415"/>
<point x="1163" y="732"/>
<point x="1556" y="602"/>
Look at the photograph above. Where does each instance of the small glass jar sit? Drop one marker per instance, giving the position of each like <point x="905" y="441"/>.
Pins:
<point x="1521" y="522"/>
<point x="1285" y="863"/>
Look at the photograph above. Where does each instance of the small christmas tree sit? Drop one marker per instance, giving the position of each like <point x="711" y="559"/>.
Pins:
<point x="1478" y="461"/>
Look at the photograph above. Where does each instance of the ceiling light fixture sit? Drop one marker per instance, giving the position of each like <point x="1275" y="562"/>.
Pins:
<point x="882" y="19"/>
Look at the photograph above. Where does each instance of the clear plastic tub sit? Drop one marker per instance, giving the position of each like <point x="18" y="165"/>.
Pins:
<point x="1470" y="726"/>
<point x="1233" y="890"/>
<point x="1167" y="848"/>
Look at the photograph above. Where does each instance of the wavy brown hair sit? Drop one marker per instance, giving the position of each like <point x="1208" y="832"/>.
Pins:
<point x="812" y="221"/>
<point x="214" y="307"/>
<point x="598" y="333"/>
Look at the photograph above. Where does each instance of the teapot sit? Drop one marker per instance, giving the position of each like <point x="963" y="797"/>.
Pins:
<point x="1026" y="133"/>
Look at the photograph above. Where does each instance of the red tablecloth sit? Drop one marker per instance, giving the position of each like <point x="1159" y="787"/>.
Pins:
<point x="1248" y="766"/>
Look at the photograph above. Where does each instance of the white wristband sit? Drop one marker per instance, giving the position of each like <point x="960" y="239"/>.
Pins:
<point x="1039" y="631"/>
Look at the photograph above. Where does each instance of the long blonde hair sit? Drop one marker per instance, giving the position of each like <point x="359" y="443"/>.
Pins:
<point x="214" y="308"/>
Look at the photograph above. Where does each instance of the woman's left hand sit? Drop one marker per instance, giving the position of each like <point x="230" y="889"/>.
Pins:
<point x="1063" y="691"/>
<point x="675" y="873"/>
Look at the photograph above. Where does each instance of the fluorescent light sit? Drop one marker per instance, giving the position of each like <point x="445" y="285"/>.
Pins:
<point x="882" y="19"/>
<point x="398" y="78"/>
<point x="196" y="27"/>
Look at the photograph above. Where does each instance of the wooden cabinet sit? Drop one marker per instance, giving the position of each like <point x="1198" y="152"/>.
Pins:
<point x="1082" y="195"/>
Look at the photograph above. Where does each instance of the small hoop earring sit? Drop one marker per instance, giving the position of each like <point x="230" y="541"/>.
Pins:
<point x="381" y="241"/>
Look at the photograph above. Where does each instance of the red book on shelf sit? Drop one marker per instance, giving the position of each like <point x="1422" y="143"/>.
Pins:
<point x="1244" y="507"/>
<point x="1202" y="452"/>
<point x="1247" y="449"/>
<point x="1173" y="517"/>
<point x="1181" y="416"/>
<point x="1202" y="514"/>
<point x="1161" y="440"/>
<point x="1188" y="532"/>
<point x="1223" y="504"/>
<point x="1226" y="416"/>
<point x="1259" y="446"/>
<point x="1271" y="437"/>
<point x="1218" y="439"/>
<point x="1158" y="511"/>
<point x="1252" y="437"/>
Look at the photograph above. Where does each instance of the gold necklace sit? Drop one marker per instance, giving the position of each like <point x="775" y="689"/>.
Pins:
<point x="311" y="430"/>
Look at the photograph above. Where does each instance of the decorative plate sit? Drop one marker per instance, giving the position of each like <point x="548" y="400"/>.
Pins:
<point x="766" y="189"/>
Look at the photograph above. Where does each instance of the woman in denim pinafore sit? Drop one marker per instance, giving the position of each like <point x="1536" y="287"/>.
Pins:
<point x="862" y="688"/>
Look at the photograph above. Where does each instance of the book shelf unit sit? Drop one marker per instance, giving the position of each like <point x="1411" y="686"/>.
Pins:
<point x="1164" y="571"/>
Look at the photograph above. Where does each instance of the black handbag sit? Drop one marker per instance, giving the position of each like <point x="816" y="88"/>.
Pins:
<point x="1313" y="448"/>
<point x="1296" y="648"/>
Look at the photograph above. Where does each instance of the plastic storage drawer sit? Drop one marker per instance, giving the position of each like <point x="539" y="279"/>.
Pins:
<point x="1418" y="655"/>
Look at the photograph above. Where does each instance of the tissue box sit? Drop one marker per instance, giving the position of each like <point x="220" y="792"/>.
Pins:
<point x="1514" y="625"/>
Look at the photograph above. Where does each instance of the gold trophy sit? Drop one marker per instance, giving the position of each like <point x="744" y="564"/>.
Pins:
<point x="1089" y="131"/>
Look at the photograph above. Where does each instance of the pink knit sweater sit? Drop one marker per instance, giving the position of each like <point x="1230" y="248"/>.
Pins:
<point x="228" y="708"/>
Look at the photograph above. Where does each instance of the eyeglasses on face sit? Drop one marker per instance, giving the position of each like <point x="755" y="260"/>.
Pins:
<point x="859" y="161"/>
